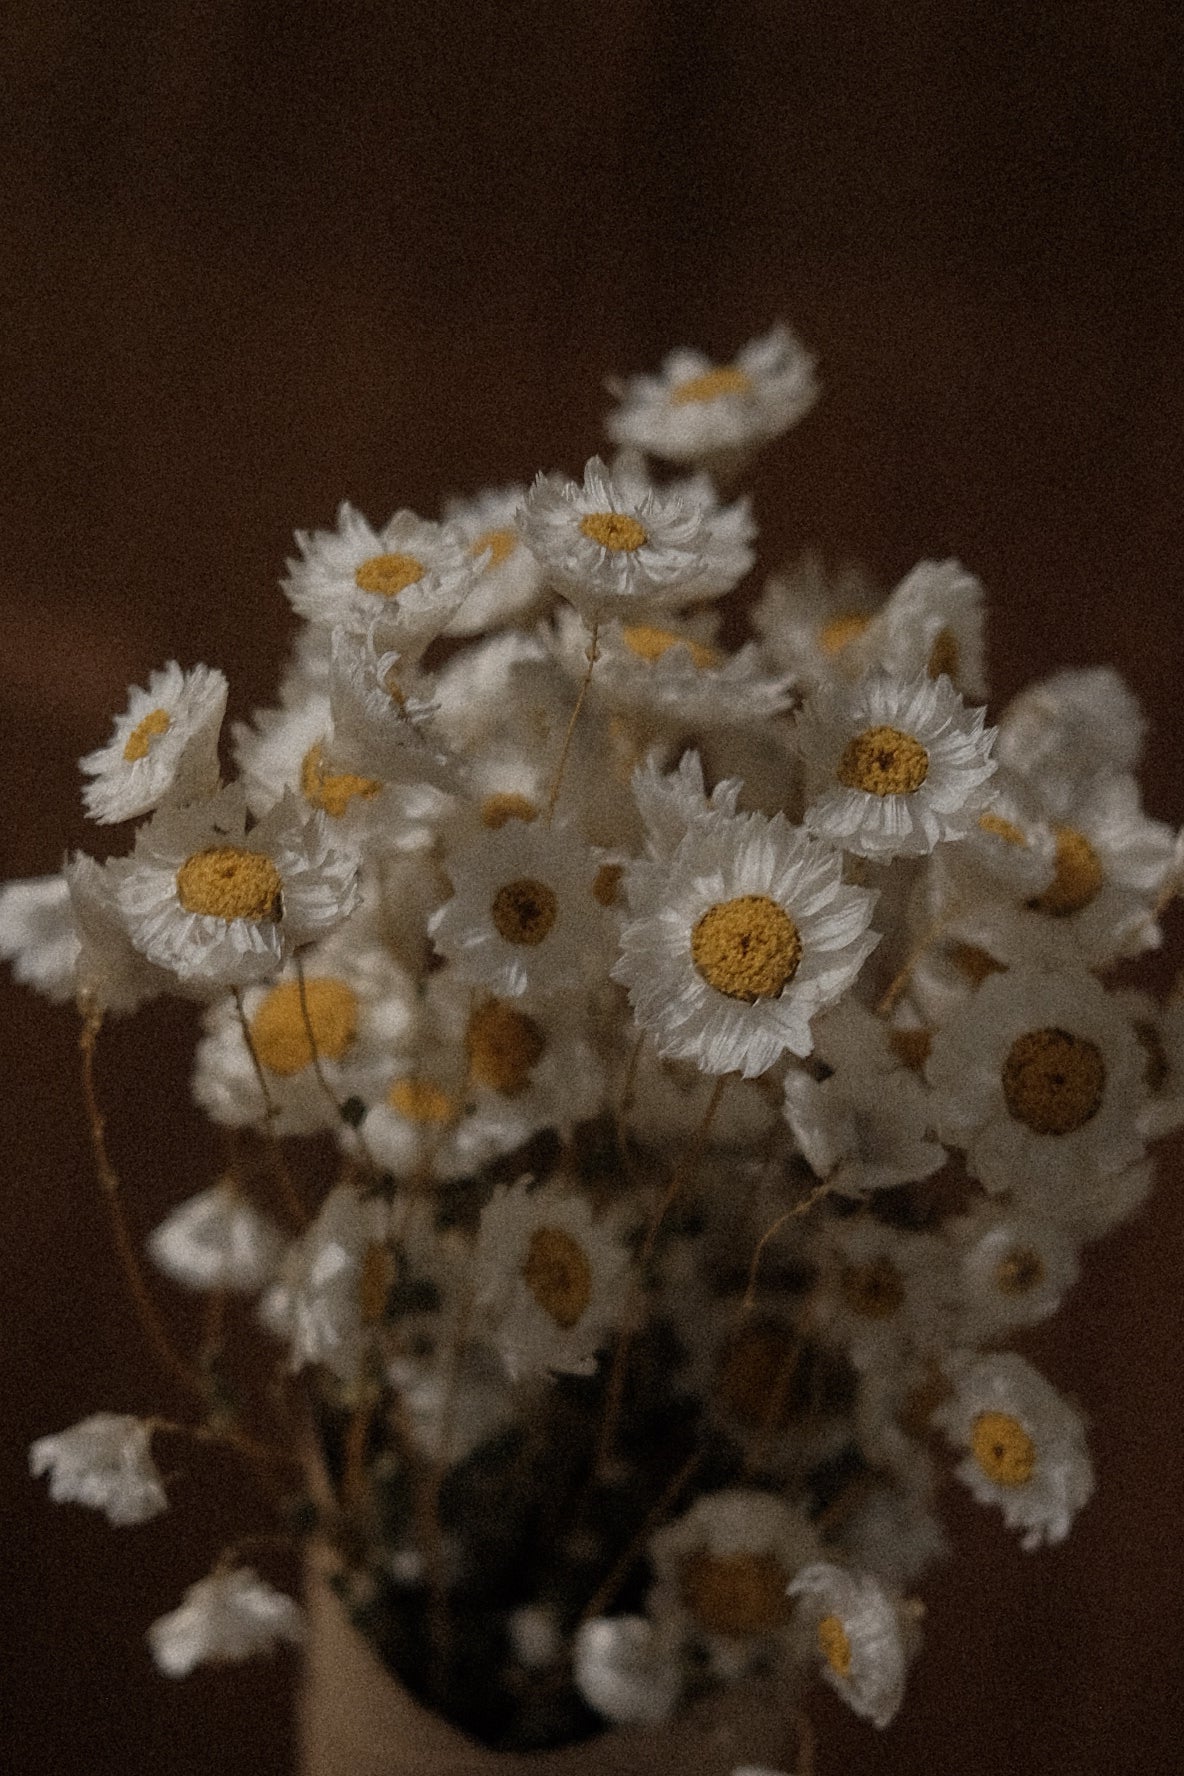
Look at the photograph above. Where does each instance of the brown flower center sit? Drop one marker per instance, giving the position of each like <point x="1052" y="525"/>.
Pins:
<point x="1053" y="1081"/>
<point x="711" y="385"/>
<point x="387" y="575"/>
<point x="332" y="790"/>
<point x="740" y="1594"/>
<point x="883" y="761"/>
<point x="524" y="911"/>
<point x="618" y="531"/>
<point x="1003" y="1449"/>
<point x="501" y="544"/>
<point x="1019" y="1271"/>
<point x="875" y="1289"/>
<point x="841" y="631"/>
<point x="650" y="644"/>
<point x="1077" y="877"/>
<point x="139" y="742"/>
<point x="835" y="1645"/>
<point x="756" y="1375"/>
<point x="506" y="805"/>
<point x="558" y="1275"/>
<point x="419" y="1100"/>
<point x="504" y="1046"/>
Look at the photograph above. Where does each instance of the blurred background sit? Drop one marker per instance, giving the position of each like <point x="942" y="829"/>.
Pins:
<point x="260" y="257"/>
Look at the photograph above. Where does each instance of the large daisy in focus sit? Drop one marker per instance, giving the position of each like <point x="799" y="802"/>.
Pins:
<point x="893" y="766"/>
<point x="734" y="948"/>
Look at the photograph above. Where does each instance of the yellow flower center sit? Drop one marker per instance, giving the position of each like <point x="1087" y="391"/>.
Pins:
<point x="332" y="790"/>
<point x="741" y="1594"/>
<point x="606" y="884"/>
<point x="944" y="655"/>
<point x="748" y="948"/>
<point x="1077" y="877"/>
<point x="649" y="644"/>
<point x="506" y="805"/>
<point x="883" y="761"/>
<point x="834" y="1645"/>
<point x="387" y="575"/>
<point x="911" y="1046"/>
<point x="841" y="631"/>
<point x="501" y="544"/>
<point x="1053" y="1081"/>
<point x="139" y="741"/>
<point x="711" y="385"/>
<point x="1002" y="829"/>
<point x="1003" y="1449"/>
<point x="558" y="1275"/>
<point x="374" y="1282"/>
<point x="756" y="1375"/>
<point x="421" y="1101"/>
<point x="1019" y="1271"/>
<point x="504" y="1046"/>
<point x="614" y="530"/>
<point x="875" y="1290"/>
<point x="524" y="911"/>
<point x="230" y="882"/>
<point x="278" y="1029"/>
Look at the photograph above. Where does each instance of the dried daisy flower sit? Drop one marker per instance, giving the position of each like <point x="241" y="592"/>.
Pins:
<point x="222" y="1620"/>
<point x="104" y="1462"/>
<point x="857" y="1631"/>
<point x="164" y="748"/>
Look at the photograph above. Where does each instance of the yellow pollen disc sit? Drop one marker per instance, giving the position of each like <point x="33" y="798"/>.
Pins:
<point x="614" y="530"/>
<point x="740" y="1594"/>
<point x="1053" y="1081"/>
<point x="606" y="884"/>
<point x="649" y="644"/>
<point x="500" y="543"/>
<point x="507" y="805"/>
<point x="911" y="1046"/>
<point x="1018" y="1271"/>
<point x="388" y="575"/>
<point x="944" y="655"/>
<point x="841" y="631"/>
<point x="332" y="790"/>
<point x="748" y="948"/>
<point x="1077" y="877"/>
<point x="757" y="1370"/>
<point x="278" y="1030"/>
<point x="834" y="1645"/>
<point x="875" y="1290"/>
<point x="139" y="741"/>
<point x="524" y="912"/>
<point x="974" y="963"/>
<point x="421" y="1101"/>
<point x="230" y="882"/>
<point x="711" y="385"/>
<point x="374" y="1283"/>
<point x="558" y="1275"/>
<point x="883" y="761"/>
<point x="503" y="1046"/>
<point x="1002" y="829"/>
<point x="1003" y="1449"/>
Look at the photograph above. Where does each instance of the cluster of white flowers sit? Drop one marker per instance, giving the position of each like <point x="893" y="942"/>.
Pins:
<point x="723" y="1051"/>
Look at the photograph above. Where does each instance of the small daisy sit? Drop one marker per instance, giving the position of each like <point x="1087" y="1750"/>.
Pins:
<point x="669" y="801"/>
<point x="880" y="1294"/>
<point x="623" y="1670"/>
<point x="1038" y="1076"/>
<point x="510" y="584"/>
<point x="412" y="575"/>
<point x="1015" y="1270"/>
<point x="1025" y="1445"/>
<point x="550" y="1279"/>
<point x="105" y="1462"/>
<point x="722" y="1573"/>
<point x="694" y="410"/>
<point x="810" y="621"/>
<point x="109" y="972"/>
<point x="863" y="1132"/>
<point x="164" y="748"/>
<point x="224" y="1619"/>
<point x="1067" y="727"/>
<point x="219" y="906"/>
<point x="856" y="1630"/>
<point x="38" y="935"/>
<point x="218" y="1240"/>
<point x="323" y="1303"/>
<point x="893" y="767"/>
<point x="524" y="914"/>
<point x="931" y="623"/>
<point x="749" y="935"/>
<point x="606" y="548"/>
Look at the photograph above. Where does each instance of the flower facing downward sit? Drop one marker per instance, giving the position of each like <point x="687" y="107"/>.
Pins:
<point x="217" y="1240"/>
<point x="224" y="1619"/>
<point x="735" y="946"/>
<point x="165" y="746"/>
<point x="105" y="1462"/>
<point x="856" y="1631"/>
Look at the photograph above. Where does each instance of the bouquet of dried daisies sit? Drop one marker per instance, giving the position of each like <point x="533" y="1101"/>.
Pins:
<point x="702" y="1032"/>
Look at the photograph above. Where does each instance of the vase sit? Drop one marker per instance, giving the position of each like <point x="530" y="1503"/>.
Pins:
<point x="356" y="1719"/>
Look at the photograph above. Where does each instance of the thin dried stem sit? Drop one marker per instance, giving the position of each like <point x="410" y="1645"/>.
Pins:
<point x="152" y="1324"/>
<point x="593" y="654"/>
<point x="283" y="1177"/>
<point x="801" y="1208"/>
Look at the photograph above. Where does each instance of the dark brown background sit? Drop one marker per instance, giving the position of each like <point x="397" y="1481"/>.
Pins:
<point x="259" y="256"/>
